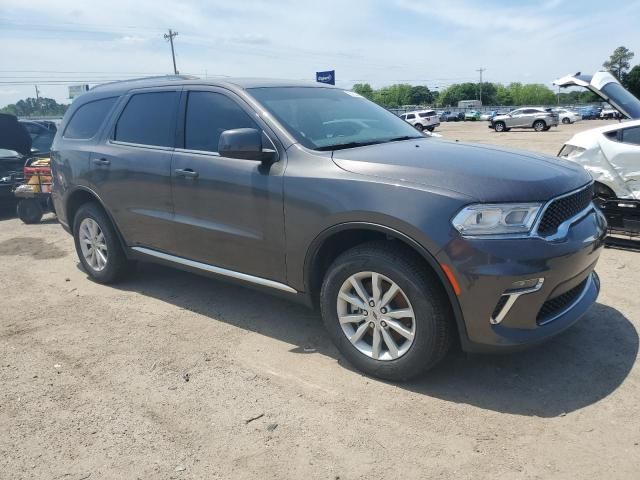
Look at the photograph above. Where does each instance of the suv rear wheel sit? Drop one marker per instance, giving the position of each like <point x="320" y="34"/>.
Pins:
<point x="97" y="245"/>
<point x="387" y="316"/>
<point x="539" y="125"/>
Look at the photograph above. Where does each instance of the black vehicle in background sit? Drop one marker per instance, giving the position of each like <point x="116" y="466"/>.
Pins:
<point x="42" y="134"/>
<point x="451" y="116"/>
<point x="25" y="173"/>
<point x="15" y="147"/>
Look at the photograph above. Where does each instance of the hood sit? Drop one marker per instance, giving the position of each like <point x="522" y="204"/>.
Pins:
<point x="607" y="87"/>
<point x="13" y="135"/>
<point x="487" y="174"/>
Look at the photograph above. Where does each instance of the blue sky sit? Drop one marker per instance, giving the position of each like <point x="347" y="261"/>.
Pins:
<point x="432" y="42"/>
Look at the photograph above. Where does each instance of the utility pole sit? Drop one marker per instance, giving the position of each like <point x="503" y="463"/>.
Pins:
<point x="173" y="55"/>
<point x="37" y="92"/>
<point x="481" y="70"/>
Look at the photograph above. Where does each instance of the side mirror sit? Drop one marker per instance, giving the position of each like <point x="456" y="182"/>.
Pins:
<point x="244" y="144"/>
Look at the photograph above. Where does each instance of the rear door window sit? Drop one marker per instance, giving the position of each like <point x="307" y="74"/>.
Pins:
<point x="149" y="119"/>
<point x="88" y="118"/>
<point x="208" y="115"/>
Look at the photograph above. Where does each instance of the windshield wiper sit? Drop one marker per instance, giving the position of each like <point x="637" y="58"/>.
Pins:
<point x="399" y="139"/>
<point x="342" y="146"/>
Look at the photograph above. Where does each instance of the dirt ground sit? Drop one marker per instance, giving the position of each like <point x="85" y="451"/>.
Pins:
<point x="171" y="375"/>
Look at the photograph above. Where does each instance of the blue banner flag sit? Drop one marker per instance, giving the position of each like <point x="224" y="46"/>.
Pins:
<point x="326" y="77"/>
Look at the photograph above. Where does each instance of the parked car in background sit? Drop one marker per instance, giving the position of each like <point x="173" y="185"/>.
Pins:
<point x="589" y="112"/>
<point x="449" y="116"/>
<point x="609" y="114"/>
<point x="471" y="115"/>
<point x="567" y="116"/>
<point x="41" y="134"/>
<point x="539" y="119"/>
<point x="422" y="119"/>
<point x="406" y="243"/>
<point x="15" y="147"/>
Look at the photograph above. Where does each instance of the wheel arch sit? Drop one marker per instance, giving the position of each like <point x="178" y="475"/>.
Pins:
<point x="336" y="239"/>
<point x="82" y="195"/>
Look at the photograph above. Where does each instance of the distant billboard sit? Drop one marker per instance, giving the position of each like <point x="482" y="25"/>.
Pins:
<point x="326" y="77"/>
<point x="77" y="90"/>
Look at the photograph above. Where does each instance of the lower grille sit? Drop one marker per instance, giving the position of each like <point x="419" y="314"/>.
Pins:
<point x="556" y="305"/>
<point x="563" y="209"/>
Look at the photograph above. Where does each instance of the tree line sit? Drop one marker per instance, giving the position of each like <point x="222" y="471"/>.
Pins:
<point x="35" y="107"/>
<point x="513" y="94"/>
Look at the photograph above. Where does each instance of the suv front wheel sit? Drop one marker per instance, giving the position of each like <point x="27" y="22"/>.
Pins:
<point x="539" y="125"/>
<point x="385" y="313"/>
<point x="97" y="245"/>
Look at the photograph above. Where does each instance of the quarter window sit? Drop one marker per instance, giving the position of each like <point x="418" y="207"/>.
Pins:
<point x="631" y="135"/>
<point x="149" y="119"/>
<point x="88" y="118"/>
<point x="208" y="115"/>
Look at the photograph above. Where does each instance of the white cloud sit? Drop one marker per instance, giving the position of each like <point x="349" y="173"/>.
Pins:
<point x="365" y="41"/>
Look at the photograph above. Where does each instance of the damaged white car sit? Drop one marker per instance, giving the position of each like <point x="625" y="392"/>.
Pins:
<point x="611" y="154"/>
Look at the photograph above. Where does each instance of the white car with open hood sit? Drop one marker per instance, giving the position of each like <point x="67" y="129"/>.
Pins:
<point x="611" y="154"/>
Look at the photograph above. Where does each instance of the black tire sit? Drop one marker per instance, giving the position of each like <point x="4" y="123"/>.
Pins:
<point x="547" y="128"/>
<point x="500" y="127"/>
<point x="539" y="125"/>
<point x="433" y="315"/>
<point x="566" y="120"/>
<point x="418" y="126"/>
<point x="431" y="129"/>
<point x="30" y="210"/>
<point x="117" y="265"/>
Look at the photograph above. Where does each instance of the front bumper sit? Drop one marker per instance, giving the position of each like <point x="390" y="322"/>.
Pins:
<point x="486" y="270"/>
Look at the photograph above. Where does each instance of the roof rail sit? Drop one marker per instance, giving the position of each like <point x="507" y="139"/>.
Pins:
<point x="140" y="79"/>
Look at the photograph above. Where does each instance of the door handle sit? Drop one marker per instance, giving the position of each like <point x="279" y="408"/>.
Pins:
<point x="186" y="173"/>
<point x="102" y="161"/>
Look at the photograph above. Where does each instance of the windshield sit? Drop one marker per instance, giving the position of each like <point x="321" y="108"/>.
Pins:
<point x="330" y="119"/>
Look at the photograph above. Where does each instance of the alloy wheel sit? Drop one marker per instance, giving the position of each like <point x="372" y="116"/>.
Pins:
<point x="93" y="244"/>
<point x="376" y="316"/>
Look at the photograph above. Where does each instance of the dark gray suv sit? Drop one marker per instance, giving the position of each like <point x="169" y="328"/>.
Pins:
<point x="404" y="242"/>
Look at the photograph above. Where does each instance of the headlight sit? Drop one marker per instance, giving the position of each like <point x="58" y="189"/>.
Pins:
<point x="571" y="151"/>
<point x="496" y="219"/>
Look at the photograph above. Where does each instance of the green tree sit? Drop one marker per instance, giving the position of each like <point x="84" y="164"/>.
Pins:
<point x="363" y="89"/>
<point x="618" y="62"/>
<point x="420" y="95"/>
<point x="503" y="96"/>
<point x="35" y="107"/>
<point x="632" y="81"/>
<point x="393" y="96"/>
<point x="456" y="92"/>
